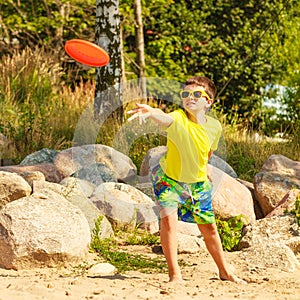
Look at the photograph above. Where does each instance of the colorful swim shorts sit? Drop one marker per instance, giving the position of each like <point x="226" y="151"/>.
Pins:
<point x="193" y="200"/>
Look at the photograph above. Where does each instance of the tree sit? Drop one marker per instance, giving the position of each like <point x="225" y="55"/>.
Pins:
<point x="45" y="23"/>
<point x="139" y="37"/>
<point x="108" y="83"/>
<point x="233" y="42"/>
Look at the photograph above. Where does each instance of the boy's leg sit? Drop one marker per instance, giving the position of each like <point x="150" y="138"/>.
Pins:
<point x="214" y="247"/>
<point x="168" y="238"/>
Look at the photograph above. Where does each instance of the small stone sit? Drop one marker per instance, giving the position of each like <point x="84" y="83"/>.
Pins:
<point x="101" y="269"/>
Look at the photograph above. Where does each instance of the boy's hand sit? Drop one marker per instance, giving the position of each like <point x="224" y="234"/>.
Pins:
<point x="143" y="111"/>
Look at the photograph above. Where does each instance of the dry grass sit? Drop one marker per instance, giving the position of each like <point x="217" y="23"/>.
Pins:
<point x="38" y="110"/>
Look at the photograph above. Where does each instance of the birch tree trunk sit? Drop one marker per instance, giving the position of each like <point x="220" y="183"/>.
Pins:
<point x="140" y="48"/>
<point x="108" y="96"/>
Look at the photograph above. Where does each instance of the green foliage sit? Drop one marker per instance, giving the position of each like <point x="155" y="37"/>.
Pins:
<point x="124" y="261"/>
<point x="224" y="40"/>
<point x="230" y="232"/>
<point x="139" y="237"/>
<point x="242" y="45"/>
<point x="45" y="23"/>
<point x="296" y="211"/>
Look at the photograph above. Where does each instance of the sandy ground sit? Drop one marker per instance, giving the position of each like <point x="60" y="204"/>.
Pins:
<point x="200" y="282"/>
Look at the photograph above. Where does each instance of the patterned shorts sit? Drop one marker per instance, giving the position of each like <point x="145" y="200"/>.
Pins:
<point x="193" y="201"/>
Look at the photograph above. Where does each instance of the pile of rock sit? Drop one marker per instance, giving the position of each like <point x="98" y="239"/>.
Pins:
<point x="49" y="203"/>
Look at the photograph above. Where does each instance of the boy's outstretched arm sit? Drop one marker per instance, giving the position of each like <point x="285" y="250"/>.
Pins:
<point x="144" y="111"/>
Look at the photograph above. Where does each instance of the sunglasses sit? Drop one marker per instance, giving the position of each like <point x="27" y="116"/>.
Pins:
<point x="196" y="94"/>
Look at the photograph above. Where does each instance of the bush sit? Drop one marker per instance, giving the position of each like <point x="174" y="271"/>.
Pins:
<point x="230" y="232"/>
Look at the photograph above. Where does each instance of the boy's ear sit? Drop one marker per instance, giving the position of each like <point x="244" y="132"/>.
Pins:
<point x="209" y="103"/>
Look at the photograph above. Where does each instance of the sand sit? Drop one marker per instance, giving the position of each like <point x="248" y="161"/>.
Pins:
<point x="200" y="282"/>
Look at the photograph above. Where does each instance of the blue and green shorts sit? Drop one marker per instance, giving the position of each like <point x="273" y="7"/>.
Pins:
<point x="193" y="201"/>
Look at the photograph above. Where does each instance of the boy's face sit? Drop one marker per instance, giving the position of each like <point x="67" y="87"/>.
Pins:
<point x="195" y="98"/>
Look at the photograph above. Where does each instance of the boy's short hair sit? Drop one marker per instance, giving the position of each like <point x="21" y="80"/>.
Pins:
<point x="205" y="82"/>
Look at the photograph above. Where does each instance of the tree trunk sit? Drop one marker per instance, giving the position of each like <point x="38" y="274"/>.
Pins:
<point x="139" y="34"/>
<point x="108" y="98"/>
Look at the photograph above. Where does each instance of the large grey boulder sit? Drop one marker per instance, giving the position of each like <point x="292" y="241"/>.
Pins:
<point x="42" y="156"/>
<point x="96" y="173"/>
<point x="73" y="159"/>
<point x="277" y="230"/>
<point x="76" y="191"/>
<point x="151" y="160"/>
<point x="272" y="242"/>
<point x="126" y="206"/>
<point x="189" y="244"/>
<point x="12" y="187"/>
<point x="221" y="164"/>
<point x="230" y="197"/>
<point x="277" y="177"/>
<point x="271" y="256"/>
<point x="42" y="230"/>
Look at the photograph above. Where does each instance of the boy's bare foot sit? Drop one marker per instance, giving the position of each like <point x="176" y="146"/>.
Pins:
<point x="176" y="279"/>
<point x="233" y="278"/>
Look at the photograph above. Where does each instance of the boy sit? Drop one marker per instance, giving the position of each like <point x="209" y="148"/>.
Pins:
<point x="181" y="183"/>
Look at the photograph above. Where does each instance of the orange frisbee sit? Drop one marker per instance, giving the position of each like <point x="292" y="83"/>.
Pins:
<point x="87" y="53"/>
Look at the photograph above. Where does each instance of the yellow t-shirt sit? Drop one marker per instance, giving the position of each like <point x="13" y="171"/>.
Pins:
<point x="188" y="146"/>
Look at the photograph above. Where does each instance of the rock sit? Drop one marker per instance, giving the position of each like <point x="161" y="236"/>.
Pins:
<point x="101" y="269"/>
<point x="151" y="160"/>
<point x="49" y="170"/>
<point x="147" y="189"/>
<point x="278" y="230"/>
<point x="257" y="209"/>
<point x="86" y="187"/>
<point x="278" y="176"/>
<point x="12" y="187"/>
<point x="286" y="204"/>
<point x="37" y="232"/>
<point x="30" y="177"/>
<point x="271" y="256"/>
<point x="221" y="164"/>
<point x="73" y="159"/>
<point x="230" y="198"/>
<point x="272" y="242"/>
<point x="126" y="206"/>
<point x="73" y="193"/>
<point x="188" y="229"/>
<point x="96" y="173"/>
<point x="189" y="244"/>
<point x="39" y="157"/>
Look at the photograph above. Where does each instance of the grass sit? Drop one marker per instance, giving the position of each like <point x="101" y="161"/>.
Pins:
<point x="247" y="151"/>
<point x="110" y="250"/>
<point x="38" y="110"/>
